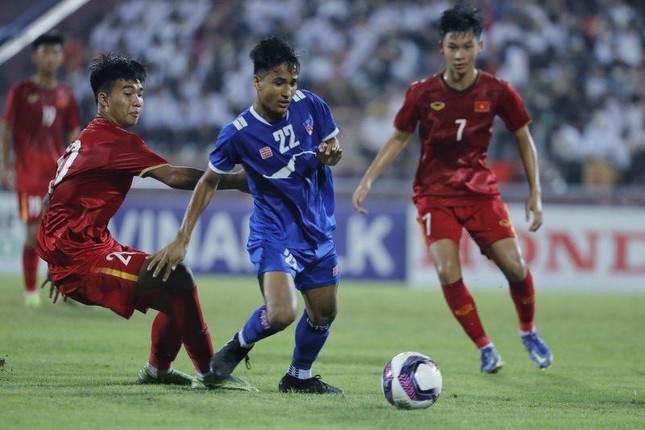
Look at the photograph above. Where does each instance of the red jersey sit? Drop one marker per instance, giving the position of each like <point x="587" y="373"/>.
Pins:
<point x="40" y="119"/>
<point x="93" y="178"/>
<point x="455" y="130"/>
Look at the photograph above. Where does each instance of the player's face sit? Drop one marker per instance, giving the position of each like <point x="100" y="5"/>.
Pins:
<point x="124" y="104"/>
<point x="460" y="51"/>
<point x="274" y="91"/>
<point x="48" y="58"/>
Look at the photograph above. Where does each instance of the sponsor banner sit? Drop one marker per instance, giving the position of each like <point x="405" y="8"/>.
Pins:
<point x="578" y="248"/>
<point x="369" y="246"/>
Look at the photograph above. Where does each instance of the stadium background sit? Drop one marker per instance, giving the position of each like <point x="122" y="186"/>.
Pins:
<point x="579" y="66"/>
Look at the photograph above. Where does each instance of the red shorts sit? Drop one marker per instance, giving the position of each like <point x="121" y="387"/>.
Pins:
<point x="30" y="206"/>
<point x="109" y="280"/>
<point x="486" y="222"/>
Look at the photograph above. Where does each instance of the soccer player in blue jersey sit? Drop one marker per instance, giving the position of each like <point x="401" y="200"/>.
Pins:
<point x="285" y="142"/>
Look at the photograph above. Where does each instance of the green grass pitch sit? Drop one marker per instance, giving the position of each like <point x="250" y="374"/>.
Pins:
<point x="75" y="367"/>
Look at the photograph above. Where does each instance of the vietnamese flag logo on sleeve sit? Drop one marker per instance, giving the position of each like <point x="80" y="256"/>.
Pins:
<point x="482" y="106"/>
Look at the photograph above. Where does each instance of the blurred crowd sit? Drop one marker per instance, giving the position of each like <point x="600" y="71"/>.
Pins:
<point x="578" y="64"/>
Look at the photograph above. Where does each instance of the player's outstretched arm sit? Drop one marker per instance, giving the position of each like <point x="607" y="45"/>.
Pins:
<point x="169" y="257"/>
<point x="392" y="148"/>
<point x="178" y="177"/>
<point x="330" y="152"/>
<point x="528" y="154"/>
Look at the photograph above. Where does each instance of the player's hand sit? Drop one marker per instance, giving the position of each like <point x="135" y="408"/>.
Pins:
<point x="167" y="259"/>
<point x="534" y="207"/>
<point x="53" y="289"/>
<point x="330" y="152"/>
<point x="360" y="194"/>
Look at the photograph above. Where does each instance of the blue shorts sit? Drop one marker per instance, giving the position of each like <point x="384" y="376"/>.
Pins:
<point x="310" y="268"/>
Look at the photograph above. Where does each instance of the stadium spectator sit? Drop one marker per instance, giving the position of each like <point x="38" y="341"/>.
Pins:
<point x="40" y="118"/>
<point x="86" y="263"/>
<point x="285" y="142"/>
<point x="454" y="188"/>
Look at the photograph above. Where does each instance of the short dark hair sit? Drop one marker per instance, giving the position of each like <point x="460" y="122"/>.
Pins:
<point x="106" y="69"/>
<point x="460" y="19"/>
<point x="47" y="39"/>
<point x="270" y="52"/>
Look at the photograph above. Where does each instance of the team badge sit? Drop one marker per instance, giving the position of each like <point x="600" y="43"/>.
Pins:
<point x="437" y="105"/>
<point x="32" y="98"/>
<point x="482" y="106"/>
<point x="266" y="152"/>
<point x="309" y="125"/>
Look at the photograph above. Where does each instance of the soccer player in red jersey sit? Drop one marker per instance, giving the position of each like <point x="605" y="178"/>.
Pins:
<point x="40" y="118"/>
<point x="85" y="262"/>
<point x="454" y="188"/>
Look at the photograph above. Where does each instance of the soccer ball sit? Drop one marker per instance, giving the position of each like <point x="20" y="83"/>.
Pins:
<point x="411" y="380"/>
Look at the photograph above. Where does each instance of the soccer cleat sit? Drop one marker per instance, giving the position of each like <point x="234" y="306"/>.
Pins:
<point x="491" y="360"/>
<point x="173" y="377"/>
<point x="539" y="352"/>
<point x="232" y="382"/>
<point x="226" y="359"/>
<point x="32" y="299"/>
<point x="313" y="385"/>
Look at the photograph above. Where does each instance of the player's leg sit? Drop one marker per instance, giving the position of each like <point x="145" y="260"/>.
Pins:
<point x="493" y="231"/>
<point x="441" y="231"/>
<point x="30" y="265"/>
<point x="311" y="334"/>
<point x="30" y="205"/>
<point x="276" y="314"/>
<point x="179" y="321"/>
<point x="445" y="255"/>
<point x="318" y="283"/>
<point x="507" y="256"/>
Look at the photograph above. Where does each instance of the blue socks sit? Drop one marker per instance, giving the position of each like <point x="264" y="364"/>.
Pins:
<point x="257" y="327"/>
<point x="310" y="339"/>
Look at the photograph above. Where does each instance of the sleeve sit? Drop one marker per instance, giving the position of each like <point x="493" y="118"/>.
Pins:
<point x="134" y="157"/>
<point x="511" y="109"/>
<point x="407" y="117"/>
<point x="9" y="115"/>
<point x="224" y="157"/>
<point x="72" y="115"/>
<point x="324" y="117"/>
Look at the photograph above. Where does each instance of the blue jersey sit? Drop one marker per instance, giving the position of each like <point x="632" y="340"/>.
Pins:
<point x="292" y="191"/>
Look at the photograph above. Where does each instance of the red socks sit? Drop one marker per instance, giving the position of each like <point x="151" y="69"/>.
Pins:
<point x="186" y="313"/>
<point x="523" y="296"/>
<point x="29" y="268"/>
<point x="463" y="308"/>
<point x="165" y="342"/>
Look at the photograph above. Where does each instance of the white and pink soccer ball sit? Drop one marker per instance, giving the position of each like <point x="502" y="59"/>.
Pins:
<point x="411" y="380"/>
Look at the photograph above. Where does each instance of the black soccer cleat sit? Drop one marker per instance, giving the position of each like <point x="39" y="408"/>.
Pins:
<point x="226" y="359"/>
<point x="313" y="385"/>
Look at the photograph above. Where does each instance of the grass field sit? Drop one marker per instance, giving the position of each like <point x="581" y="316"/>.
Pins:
<point x="74" y="367"/>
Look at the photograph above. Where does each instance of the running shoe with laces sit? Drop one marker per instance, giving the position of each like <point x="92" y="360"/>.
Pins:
<point x="226" y="359"/>
<point x="313" y="385"/>
<point x="539" y="352"/>
<point x="491" y="360"/>
<point x="173" y="377"/>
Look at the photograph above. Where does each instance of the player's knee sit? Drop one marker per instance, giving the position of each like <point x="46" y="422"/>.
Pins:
<point x="327" y="316"/>
<point x="516" y="270"/>
<point x="448" y="272"/>
<point x="281" y="317"/>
